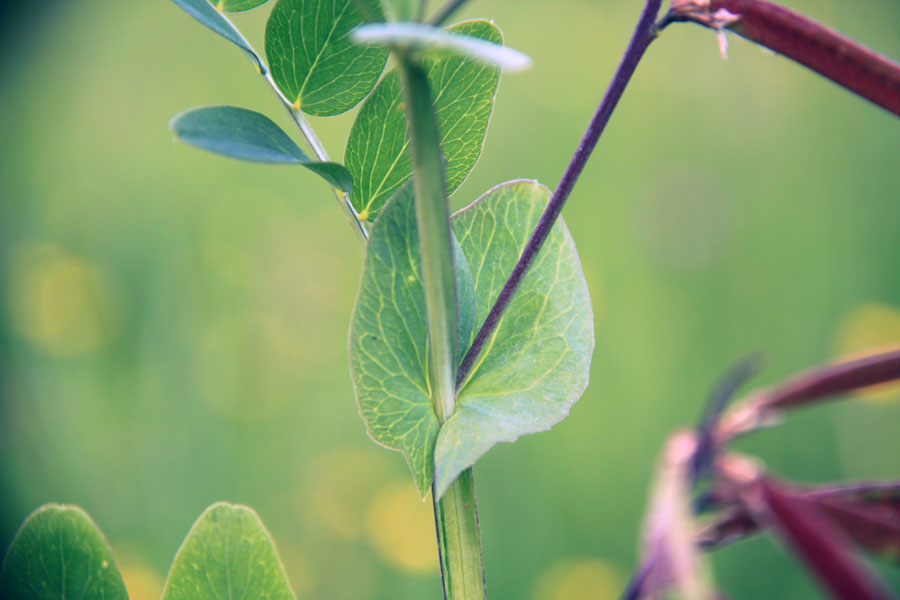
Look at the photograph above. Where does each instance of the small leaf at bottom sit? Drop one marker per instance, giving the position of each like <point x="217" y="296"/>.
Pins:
<point x="227" y="554"/>
<point x="59" y="554"/>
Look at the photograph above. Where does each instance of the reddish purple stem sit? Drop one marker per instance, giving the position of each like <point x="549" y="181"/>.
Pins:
<point x="644" y="33"/>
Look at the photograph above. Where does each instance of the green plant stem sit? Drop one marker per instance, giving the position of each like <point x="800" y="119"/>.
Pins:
<point x="433" y="219"/>
<point x="459" y="539"/>
<point x="306" y="130"/>
<point x="456" y="513"/>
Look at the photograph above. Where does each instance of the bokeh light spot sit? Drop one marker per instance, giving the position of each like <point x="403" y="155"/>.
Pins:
<point x="142" y="581"/>
<point x="870" y="329"/>
<point x="62" y="303"/>
<point x="401" y="527"/>
<point x="579" y="579"/>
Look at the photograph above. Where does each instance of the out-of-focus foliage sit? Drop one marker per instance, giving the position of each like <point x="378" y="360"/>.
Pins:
<point x="174" y="324"/>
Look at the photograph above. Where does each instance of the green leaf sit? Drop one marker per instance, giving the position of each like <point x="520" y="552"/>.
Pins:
<point x="536" y="365"/>
<point x="206" y="13"/>
<point x="248" y="135"/>
<point x="532" y="370"/>
<point x="313" y="60"/>
<point x="227" y="554"/>
<point x="388" y="338"/>
<point x="428" y="38"/>
<point x="464" y="91"/>
<point x="59" y="554"/>
<point x="239" y="5"/>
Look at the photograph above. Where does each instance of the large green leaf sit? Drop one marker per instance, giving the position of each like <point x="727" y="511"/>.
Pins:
<point x="59" y="554"/>
<point x="239" y="5"/>
<point x="388" y="338"/>
<point x="313" y="60"/>
<point x="532" y="370"/>
<point x="463" y="89"/>
<point x="207" y="14"/>
<point x="536" y="364"/>
<point x="227" y="554"/>
<point x="248" y="135"/>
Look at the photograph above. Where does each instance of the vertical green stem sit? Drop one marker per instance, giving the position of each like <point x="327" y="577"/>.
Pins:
<point x="456" y="513"/>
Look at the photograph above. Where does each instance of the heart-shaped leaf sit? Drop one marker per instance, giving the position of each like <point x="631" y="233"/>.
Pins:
<point x="239" y="5"/>
<point x="389" y="337"/>
<point x="534" y="367"/>
<point x="314" y="62"/>
<point x="536" y="364"/>
<point x="207" y="14"/>
<point x="248" y="135"/>
<point x="59" y="554"/>
<point x="463" y="89"/>
<point x="227" y="554"/>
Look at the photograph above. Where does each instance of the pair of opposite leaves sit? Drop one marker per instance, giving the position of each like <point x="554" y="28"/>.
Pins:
<point x="60" y="554"/>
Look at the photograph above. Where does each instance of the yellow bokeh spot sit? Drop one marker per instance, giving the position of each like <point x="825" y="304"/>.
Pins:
<point x="61" y="302"/>
<point x="401" y="527"/>
<point x="340" y="488"/>
<point x="870" y="329"/>
<point x="142" y="581"/>
<point x="579" y="579"/>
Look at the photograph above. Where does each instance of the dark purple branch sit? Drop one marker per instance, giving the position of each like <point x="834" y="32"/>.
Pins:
<point x="835" y="379"/>
<point x="644" y="33"/>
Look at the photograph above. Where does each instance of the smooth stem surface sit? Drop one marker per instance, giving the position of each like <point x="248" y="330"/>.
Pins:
<point x="459" y="539"/>
<point x="433" y="220"/>
<point x="644" y="33"/>
<point x="456" y="513"/>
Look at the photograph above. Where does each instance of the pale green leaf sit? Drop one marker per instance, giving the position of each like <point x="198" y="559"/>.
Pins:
<point x="536" y="364"/>
<point x="388" y="338"/>
<point x="239" y="5"/>
<point x="247" y="135"/>
<point x="227" y="554"/>
<point x="207" y="14"/>
<point x="59" y="554"/>
<point x="534" y="367"/>
<point x="464" y="91"/>
<point x="429" y="38"/>
<point x="313" y="60"/>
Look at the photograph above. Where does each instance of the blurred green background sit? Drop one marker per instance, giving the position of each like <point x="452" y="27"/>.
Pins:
<point x="174" y="323"/>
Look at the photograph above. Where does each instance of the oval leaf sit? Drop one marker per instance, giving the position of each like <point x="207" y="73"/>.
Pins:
<point x="464" y="91"/>
<point x="313" y="60"/>
<point x="206" y="13"/>
<point x="427" y="37"/>
<point x="227" y="554"/>
<point x="388" y="338"/>
<point x="59" y="554"/>
<point x="248" y="135"/>
<point x="536" y="365"/>
<point x="239" y="5"/>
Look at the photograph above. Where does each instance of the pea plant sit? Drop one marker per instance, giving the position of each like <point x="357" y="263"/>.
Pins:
<point x="475" y="328"/>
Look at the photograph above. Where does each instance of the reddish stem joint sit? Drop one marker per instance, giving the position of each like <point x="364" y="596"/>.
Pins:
<point x="822" y="49"/>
